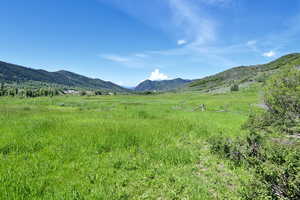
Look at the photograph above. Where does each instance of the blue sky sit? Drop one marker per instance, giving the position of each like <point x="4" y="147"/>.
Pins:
<point x="127" y="41"/>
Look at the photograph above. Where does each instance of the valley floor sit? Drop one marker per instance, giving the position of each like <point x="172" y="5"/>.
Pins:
<point x="120" y="147"/>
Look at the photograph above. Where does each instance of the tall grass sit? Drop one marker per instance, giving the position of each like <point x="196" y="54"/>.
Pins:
<point x="118" y="147"/>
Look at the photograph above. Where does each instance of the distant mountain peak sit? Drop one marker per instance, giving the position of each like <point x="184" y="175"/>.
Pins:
<point x="161" y="85"/>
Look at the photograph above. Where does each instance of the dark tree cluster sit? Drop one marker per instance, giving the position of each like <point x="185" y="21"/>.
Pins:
<point x="27" y="92"/>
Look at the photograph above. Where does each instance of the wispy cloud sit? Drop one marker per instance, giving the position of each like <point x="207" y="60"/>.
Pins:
<point x="141" y="55"/>
<point x="115" y="58"/>
<point x="189" y="21"/>
<point x="251" y="43"/>
<point x="129" y="61"/>
<point x="199" y="41"/>
<point x="181" y="42"/>
<point x="197" y="28"/>
<point x="217" y="2"/>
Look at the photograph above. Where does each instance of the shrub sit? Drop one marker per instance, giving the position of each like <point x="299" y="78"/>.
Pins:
<point x="82" y="93"/>
<point x="234" y="88"/>
<point x="240" y="151"/>
<point x="98" y="93"/>
<point x="261" y="78"/>
<point x="276" y="163"/>
<point x="277" y="177"/>
<point x="282" y="96"/>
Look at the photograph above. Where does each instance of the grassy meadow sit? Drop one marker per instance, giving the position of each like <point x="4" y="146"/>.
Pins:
<point x="120" y="147"/>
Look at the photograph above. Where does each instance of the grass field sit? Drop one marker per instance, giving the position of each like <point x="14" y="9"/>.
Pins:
<point x="120" y="147"/>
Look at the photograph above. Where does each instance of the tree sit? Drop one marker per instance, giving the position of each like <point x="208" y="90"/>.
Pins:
<point x="82" y="93"/>
<point x="2" y="89"/>
<point x="98" y="92"/>
<point x="16" y="91"/>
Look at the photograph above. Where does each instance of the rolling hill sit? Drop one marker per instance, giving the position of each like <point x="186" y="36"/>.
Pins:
<point x="164" y="85"/>
<point x="243" y="75"/>
<point x="221" y="82"/>
<point x="11" y="73"/>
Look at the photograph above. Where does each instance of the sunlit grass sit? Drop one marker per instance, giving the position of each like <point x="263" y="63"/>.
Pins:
<point x="119" y="147"/>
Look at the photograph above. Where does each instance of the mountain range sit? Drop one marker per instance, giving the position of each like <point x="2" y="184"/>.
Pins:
<point x="11" y="73"/>
<point x="163" y="85"/>
<point x="242" y="75"/>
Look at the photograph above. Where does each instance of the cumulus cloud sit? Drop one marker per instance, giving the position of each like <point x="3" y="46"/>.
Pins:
<point x="156" y="75"/>
<point x="269" y="54"/>
<point x="181" y="42"/>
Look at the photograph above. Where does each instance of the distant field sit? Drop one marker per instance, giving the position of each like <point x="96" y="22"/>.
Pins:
<point x="120" y="147"/>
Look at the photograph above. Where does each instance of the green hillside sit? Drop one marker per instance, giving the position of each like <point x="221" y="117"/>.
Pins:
<point x="10" y="73"/>
<point x="243" y="75"/>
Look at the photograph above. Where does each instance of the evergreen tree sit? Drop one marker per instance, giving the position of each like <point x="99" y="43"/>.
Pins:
<point x="2" y="89"/>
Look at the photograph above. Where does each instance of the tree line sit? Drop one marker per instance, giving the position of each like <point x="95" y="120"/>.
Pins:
<point x="28" y="92"/>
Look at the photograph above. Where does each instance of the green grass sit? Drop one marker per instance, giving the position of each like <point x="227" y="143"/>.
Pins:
<point x="120" y="147"/>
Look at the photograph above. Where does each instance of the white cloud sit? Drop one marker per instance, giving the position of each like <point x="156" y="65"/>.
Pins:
<point x="156" y="75"/>
<point x="141" y="55"/>
<point x="269" y="54"/>
<point x="115" y="58"/>
<point x="181" y="42"/>
<point x="216" y="2"/>
<point x="129" y="61"/>
<point x="251" y="42"/>
<point x="197" y="28"/>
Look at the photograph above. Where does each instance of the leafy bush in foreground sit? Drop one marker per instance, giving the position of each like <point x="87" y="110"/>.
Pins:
<point x="275" y="161"/>
<point x="276" y="166"/>
<point x="282" y="96"/>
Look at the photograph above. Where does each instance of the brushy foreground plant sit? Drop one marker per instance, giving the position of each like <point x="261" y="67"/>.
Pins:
<point x="276" y="165"/>
<point x="282" y="97"/>
<point x="275" y="161"/>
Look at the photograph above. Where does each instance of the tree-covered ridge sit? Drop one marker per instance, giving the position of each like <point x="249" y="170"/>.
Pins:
<point x="10" y="73"/>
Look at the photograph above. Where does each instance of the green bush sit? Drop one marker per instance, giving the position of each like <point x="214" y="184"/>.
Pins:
<point x="234" y="88"/>
<point x="276" y="165"/>
<point x="82" y="93"/>
<point x="282" y="96"/>
<point x="262" y="78"/>
<point x="275" y="161"/>
<point x="240" y="151"/>
<point x="278" y="177"/>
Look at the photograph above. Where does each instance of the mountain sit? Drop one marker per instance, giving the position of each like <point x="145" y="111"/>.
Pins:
<point x="164" y="85"/>
<point x="243" y="75"/>
<point x="11" y="73"/>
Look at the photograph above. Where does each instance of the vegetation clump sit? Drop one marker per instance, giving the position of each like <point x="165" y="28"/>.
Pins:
<point x="282" y="97"/>
<point x="234" y="88"/>
<point x="274" y="159"/>
<point x="28" y="92"/>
